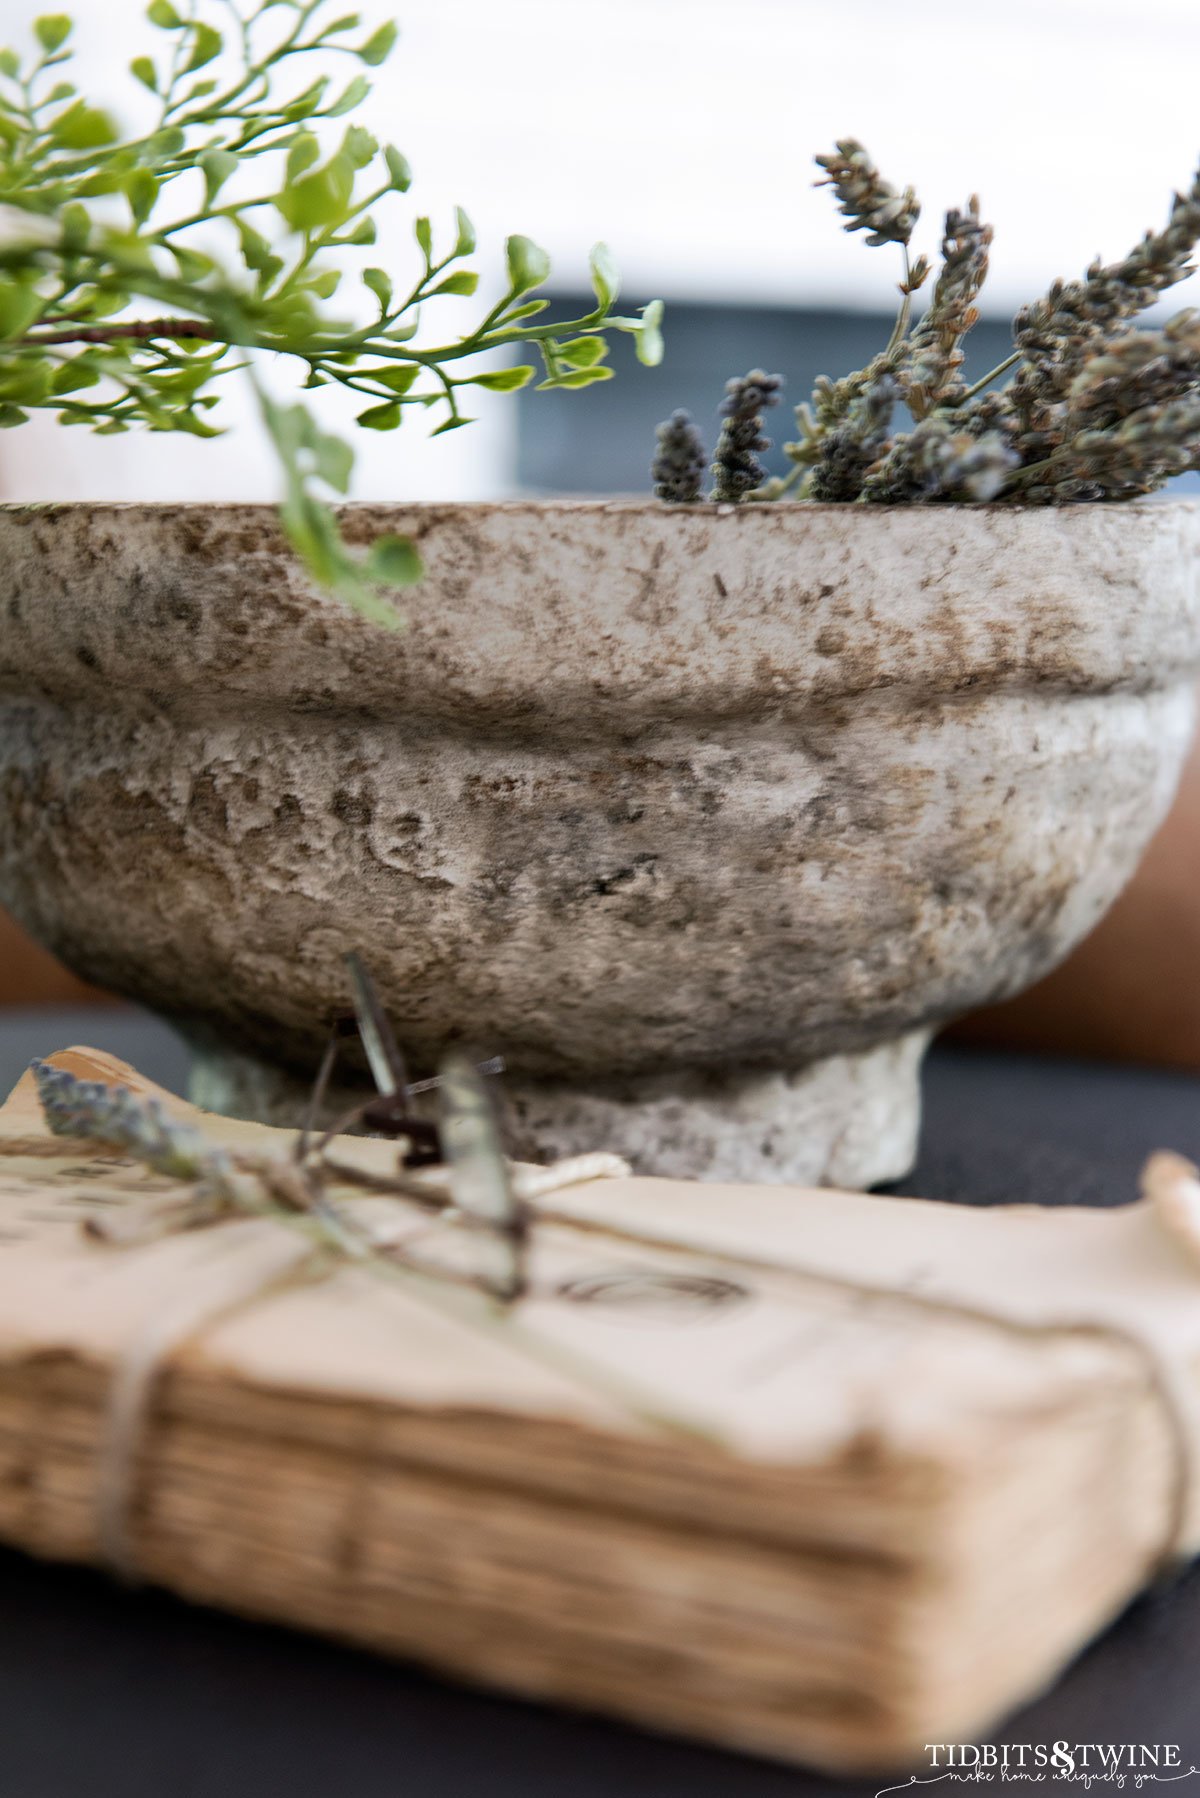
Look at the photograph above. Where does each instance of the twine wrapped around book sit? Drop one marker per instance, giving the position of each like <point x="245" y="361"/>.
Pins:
<point x="145" y="1359"/>
<point x="1170" y="1185"/>
<point x="230" y="1280"/>
<point x="238" y="1282"/>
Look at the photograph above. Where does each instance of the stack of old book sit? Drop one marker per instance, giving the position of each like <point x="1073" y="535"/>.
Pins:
<point x="817" y="1474"/>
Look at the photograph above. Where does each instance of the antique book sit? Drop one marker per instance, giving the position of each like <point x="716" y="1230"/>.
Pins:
<point x="821" y="1475"/>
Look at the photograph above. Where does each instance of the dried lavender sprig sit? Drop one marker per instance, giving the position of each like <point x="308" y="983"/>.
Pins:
<point x="851" y="448"/>
<point x="830" y="405"/>
<point x="989" y="412"/>
<point x="869" y="202"/>
<point x="1132" y="457"/>
<point x="1097" y="409"/>
<point x="1135" y="370"/>
<point x="1056" y="333"/>
<point x="142" y="1127"/>
<point x="873" y="205"/>
<point x="930" y="375"/>
<point x="736" y="469"/>
<point x="1072" y="312"/>
<point x="940" y="461"/>
<point x="678" y="467"/>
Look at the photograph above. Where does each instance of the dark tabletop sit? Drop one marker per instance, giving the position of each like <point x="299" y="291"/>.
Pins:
<point x="107" y="1693"/>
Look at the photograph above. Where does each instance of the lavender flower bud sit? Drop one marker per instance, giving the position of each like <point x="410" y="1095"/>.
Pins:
<point x="736" y="468"/>
<point x="141" y="1127"/>
<point x="678" y="466"/>
<point x="866" y="199"/>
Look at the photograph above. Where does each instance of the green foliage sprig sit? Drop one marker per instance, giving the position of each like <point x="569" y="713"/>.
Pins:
<point x="1096" y="409"/>
<point x="118" y="308"/>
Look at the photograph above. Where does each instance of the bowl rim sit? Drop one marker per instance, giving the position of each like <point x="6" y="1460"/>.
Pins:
<point x="624" y="504"/>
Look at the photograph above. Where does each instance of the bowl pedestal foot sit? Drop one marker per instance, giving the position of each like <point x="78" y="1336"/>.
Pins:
<point x="850" y="1120"/>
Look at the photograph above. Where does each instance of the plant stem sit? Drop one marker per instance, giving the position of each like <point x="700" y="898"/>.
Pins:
<point x="1024" y="477"/>
<point x="789" y="481"/>
<point x="902" y="317"/>
<point x="139" y="330"/>
<point x="1001" y="368"/>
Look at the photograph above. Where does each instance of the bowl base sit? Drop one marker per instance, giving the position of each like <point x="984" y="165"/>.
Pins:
<point x="849" y="1121"/>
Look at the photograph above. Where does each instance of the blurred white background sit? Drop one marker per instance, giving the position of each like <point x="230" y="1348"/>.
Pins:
<point x="682" y="131"/>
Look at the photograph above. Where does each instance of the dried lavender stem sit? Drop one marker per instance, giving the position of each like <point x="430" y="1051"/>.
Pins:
<point x="993" y="374"/>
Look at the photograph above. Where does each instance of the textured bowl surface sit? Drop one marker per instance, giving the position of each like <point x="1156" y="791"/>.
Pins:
<point x="634" y="789"/>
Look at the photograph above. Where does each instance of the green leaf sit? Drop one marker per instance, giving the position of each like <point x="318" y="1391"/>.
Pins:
<point x="70" y="377"/>
<point x="505" y="380"/>
<point x="163" y="14"/>
<point x="132" y="250"/>
<point x="10" y="63"/>
<point x="217" y="166"/>
<point x="358" y="146"/>
<point x="528" y="264"/>
<point x="303" y="152"/>
<point x="193" y="265"/>
<point x="76" y="229"/>
<point x="187" y="422"/>
<point x="141" y="190"/>
<point x="257" y="253"/>
<point x="423" y="232"/>
<point x="142" y="69"/>
<point x="321" y="198"/>
<point x="465" y="281"/>
<point x="20" y="304"/>
<point x="583" y="352"/>
<point x="352" y="96"/>
<point x="305" y="104"/>
<point x="333" y="460"/>
<point x="649" y="341"/>
<point x="380" y="44"/>
<point x="52" y="30"/>
<point x="83" y="127"/>
<point x="577" y="377"/>
<point x="397" y="378"/>
<point x="167" y="142"/>
<point x="10" y="416"/>
<point x="379" y="282"/>
<point x="381" y="418"/>
<point x="26" y="383"/>
<point x="605" y="279"/>
<point x="526" y="311"/>
<point x="464" y="243"/>
<point x="349" y="21"/>
<point x="290" y="316"/>
<point x="324" y="284"/>
<point x="97" y="304"/>
<point x="206" y="43"/>
<point x="393" y="562"/>
<point x="451" y="424"/>
<point x="398" y="169"/>
<point x="363" y="233"/>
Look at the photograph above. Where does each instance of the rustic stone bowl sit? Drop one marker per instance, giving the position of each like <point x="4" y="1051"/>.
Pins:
<point x="702" y="817"/>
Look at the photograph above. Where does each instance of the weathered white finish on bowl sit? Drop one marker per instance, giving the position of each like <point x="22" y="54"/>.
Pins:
<point x="668" y="805"/>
